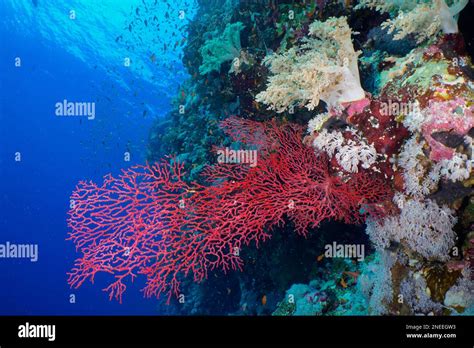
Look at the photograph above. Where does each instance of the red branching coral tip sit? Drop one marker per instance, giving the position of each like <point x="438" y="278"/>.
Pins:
<point x="149" y="221"/>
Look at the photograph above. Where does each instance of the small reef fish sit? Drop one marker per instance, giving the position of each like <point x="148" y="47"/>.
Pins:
<point x="354" y="275"/>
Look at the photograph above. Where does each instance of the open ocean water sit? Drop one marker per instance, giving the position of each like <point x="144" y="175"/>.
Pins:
<point x="50" y="54"/>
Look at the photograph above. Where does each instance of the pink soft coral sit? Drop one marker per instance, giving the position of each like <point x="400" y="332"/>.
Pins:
<point x="453" y="116"/>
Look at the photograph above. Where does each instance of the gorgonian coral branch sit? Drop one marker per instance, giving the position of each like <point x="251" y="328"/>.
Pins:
<point x="149" y="221"/>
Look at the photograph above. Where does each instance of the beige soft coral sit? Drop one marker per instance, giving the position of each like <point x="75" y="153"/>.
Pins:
<point x="323" y="67"/>
<point x="422" y="19"/>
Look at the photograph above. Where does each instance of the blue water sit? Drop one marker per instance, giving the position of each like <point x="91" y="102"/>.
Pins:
<point x="78" y="60"/>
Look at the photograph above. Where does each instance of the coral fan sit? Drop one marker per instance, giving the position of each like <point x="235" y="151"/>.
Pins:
<point x="149" y="221"/>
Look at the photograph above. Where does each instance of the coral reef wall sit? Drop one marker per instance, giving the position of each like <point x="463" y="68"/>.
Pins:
<point x="361" y="115"/>
<point x="415" y="127"/>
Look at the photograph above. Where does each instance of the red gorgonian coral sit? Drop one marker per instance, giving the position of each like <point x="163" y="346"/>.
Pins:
<point x="149" y="221"/>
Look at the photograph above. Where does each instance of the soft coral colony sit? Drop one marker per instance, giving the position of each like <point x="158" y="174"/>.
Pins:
<point x="397" y="158"/>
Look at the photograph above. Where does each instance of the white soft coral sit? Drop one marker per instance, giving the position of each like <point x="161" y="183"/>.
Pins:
<point x="353" y="154"/>
<point x="420" y="178"/>
<point x="328" y="141"/>
<point x="317" y="122"/>
<point x="349" y="153"/>
<point x="422" y="225"/>
<point x="449" y="15"/>
<point x="457" y="168"/>
<point x="417" y="180"/>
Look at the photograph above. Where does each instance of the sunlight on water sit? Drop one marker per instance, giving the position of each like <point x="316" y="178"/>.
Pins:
<point x="108" y="33"/>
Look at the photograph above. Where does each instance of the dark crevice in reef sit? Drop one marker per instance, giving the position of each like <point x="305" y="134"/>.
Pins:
<point x="269" y="271"/>
<point x="466" y="27"/>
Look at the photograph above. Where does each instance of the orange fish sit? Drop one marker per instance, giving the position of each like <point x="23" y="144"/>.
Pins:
<point x="354" y="275"/>
<point x="310" y="14"/>
<point x="320" y="257"/>
<point x="264" y="300"/>
<point x="343" y="283"/>
<point x="255" y="104"/>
